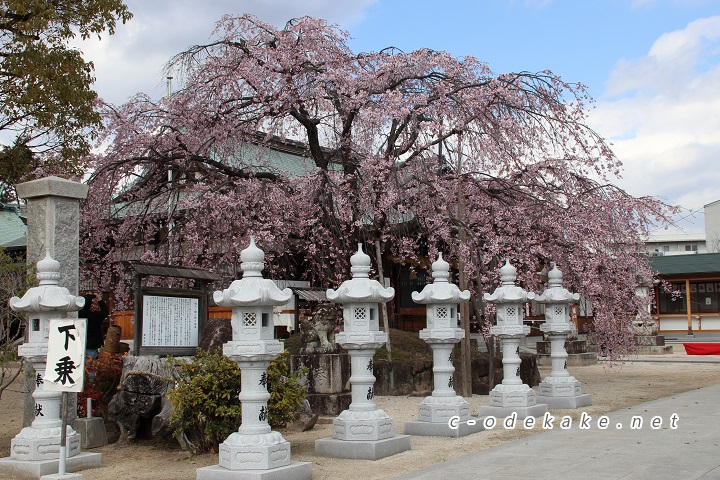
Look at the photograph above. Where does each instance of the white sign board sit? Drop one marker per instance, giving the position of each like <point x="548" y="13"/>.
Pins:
<point x="65" y="367"/>
<point x="170" y="321"/>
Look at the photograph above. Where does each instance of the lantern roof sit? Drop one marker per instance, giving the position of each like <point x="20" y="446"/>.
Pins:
<point x="252" y="289"/>
<point x="48" y="296"/>
<point x="555" y="293"/>
<point x="508" y="292"/>
<point x="441" y="290"/>
<point x="360" y="288"/>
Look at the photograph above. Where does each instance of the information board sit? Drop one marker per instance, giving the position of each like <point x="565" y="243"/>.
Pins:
<point x="170" y="321"/>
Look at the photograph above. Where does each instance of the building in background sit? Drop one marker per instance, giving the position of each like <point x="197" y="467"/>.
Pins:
<point x="712" y="226"/>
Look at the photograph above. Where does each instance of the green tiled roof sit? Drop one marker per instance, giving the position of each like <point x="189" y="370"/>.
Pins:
<point x="12" y="229"/>
<point x="686" y="264"/>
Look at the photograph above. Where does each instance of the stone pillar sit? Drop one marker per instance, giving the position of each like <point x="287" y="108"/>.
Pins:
<point x="444" y="413"/>
<point x="363" y="430"/>
<point x="53" y="216"/>
<point x="36" y="449"/>
<point x="53" y="212"/>
<point x="254" y="451"/>
<point x="559" y="389"/>
<point x="511" y="396"/>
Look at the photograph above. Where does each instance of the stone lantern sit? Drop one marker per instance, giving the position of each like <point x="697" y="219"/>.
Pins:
<point x="363" y="430"/>
<point x="511" y="396"/>
<point x="254" y="449"/>
<point x="36" y="449"/>
<point x="442" y="333"/>
<point x="559" y="389"/>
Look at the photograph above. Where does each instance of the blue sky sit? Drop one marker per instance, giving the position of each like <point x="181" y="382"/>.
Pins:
<point x="653" y="66"/>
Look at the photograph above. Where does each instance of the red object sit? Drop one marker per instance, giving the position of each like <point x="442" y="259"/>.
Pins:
<point x="702" y="348"/>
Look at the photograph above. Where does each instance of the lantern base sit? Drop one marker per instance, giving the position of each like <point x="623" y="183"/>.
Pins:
<point x="362" y="450"/>
<point x="508" y="399"/>
<point x="464" y="426"/>
<point x="359" y="425"/>
<point x="254" y="457"/>
<point x="576" y="401"/>
<point x="34" y="444"/>
<point x="441" y="409"/>
<point x="512" y="396"/>
<point x="37" y="469"/>
<point x="560" y="387"/>
<point x="293" y="471"/>
<point x="520" y="412"/>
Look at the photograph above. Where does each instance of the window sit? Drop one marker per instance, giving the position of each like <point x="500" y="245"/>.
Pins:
<point x="666" y="248"/>
<point x="703" y="298"/>
<point x="249" y="319"/>
<point x="691" y="248"/>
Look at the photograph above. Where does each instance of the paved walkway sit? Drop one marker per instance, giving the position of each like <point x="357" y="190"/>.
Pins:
<point x="690" y="451"/>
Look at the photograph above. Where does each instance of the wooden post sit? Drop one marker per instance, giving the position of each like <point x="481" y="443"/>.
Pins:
<point x="383" y="307"/>
<point x="465" y="360"/>
<point x="689" y="308"/>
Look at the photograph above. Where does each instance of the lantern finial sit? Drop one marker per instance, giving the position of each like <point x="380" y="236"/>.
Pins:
<point x="440" y="269"/>
<point x="360" y="264"/>
<point x="508" y="273"/>
<point x="252" y="260"/>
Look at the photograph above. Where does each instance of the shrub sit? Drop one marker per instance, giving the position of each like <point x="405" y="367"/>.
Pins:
<point x="206" y="404"/>
<point x="102" y="377"/>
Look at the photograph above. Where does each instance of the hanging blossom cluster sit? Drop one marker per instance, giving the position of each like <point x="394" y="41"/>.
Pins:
<point x="289" y="135"/>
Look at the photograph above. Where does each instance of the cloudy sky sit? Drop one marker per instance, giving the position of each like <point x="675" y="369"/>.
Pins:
<point x="653" y="66"/>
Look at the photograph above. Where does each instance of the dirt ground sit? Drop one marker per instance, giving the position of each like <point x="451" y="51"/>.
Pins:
<point x="611" y="388"/>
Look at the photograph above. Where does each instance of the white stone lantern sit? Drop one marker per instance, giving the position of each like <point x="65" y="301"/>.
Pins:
<point x="254" y="449"/>
<point x="41" y="440"/>
<point x="442" y="299"/>
<point x="363" y="430"/>
<point x="559" y="389"/>
<point x="511" y="396"/>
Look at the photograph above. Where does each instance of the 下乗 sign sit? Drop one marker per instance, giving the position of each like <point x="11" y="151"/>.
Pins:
<point x="65" y="367"/>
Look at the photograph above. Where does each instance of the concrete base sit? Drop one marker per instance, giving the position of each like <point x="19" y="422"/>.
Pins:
<point x="67" y="476"/>
<point x="654" y="350"/>
<point x="577" y="401"/>
<point x="38" y="468"/>
<point x="92" y="432"/>
<point x="294" y="471"/>
<point x="235" y="456"/>
<point x="537" y="410"/>
<point x="573" y="360"/>
<point x="442" y="429"/>
<point x="362" y="449"/>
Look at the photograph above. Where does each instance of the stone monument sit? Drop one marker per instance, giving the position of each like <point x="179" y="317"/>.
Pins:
<point x="254" y="451"/>
<point x="442" y="333"/>
<point x="512" y="395"/>
<point x="362" y="431"/>
<point x="559" y="389"/>
<point x="328" y="371"/>
<point x="645" y="328"/>
<point x="36" y="449"/>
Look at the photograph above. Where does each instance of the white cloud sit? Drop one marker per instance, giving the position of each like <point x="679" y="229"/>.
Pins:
<point x="662" y="114"/>
<point x="131" y="61"/>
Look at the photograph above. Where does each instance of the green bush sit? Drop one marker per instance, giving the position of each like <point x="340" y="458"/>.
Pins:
<point x="206" y="404"/>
